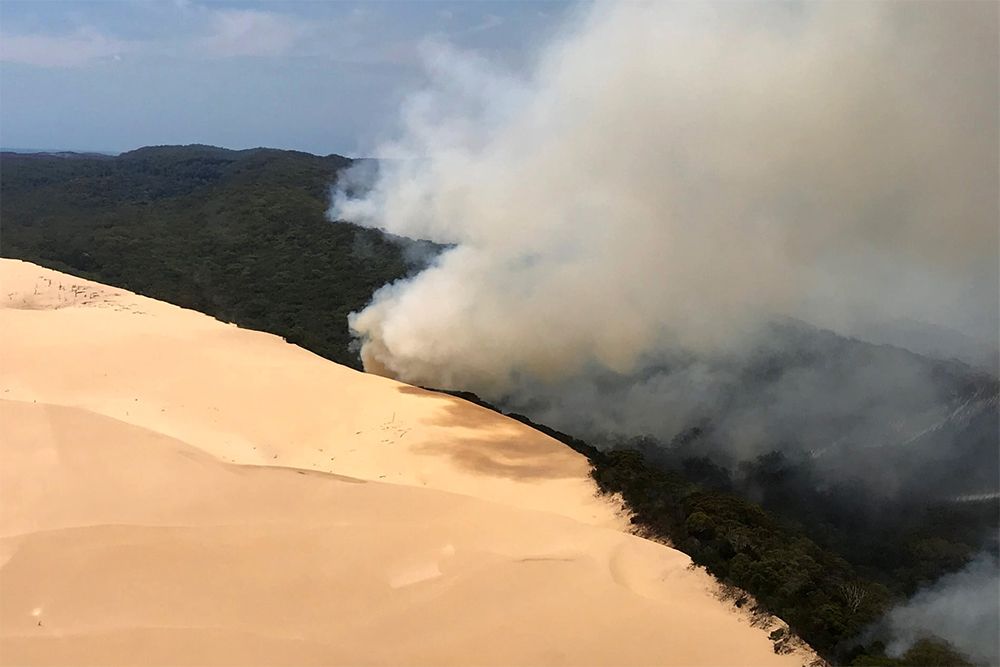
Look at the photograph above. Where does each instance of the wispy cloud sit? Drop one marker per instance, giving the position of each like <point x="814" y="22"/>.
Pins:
<point x="81" y="47"/>
<point x="249" y="32"/>
<point x="186" y="30"/>
<point x="489" y="22"/>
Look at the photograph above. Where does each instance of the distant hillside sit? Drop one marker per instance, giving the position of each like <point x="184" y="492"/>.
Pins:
<point x="66" y="155"/>
<point x="241" y="235"/>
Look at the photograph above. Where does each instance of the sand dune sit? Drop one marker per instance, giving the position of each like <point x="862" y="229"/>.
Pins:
<point x="174" y="490"/>
<point x="249" y="397"/>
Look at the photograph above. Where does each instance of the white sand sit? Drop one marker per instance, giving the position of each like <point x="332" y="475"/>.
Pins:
<point x="175" y="490"/>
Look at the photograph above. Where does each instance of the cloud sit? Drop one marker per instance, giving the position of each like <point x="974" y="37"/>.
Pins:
<point x="489" y="22"/>
<point x="223" y="33"/>
<point x="249" y="32"/>
<point x="81" y="47"/>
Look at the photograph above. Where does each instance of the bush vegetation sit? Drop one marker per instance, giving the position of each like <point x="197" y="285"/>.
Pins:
<point x="240" y="235"/>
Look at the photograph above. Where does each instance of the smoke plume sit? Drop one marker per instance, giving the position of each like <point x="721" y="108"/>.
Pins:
<point x="638" y="230"/>
<point x="669" y="177"/>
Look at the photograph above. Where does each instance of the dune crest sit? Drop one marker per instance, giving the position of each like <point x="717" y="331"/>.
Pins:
<point x="176" y="490"/>
<point x="250" y="397"/>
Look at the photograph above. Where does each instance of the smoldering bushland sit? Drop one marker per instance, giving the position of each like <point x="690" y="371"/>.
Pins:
<point x="700" y="227"/>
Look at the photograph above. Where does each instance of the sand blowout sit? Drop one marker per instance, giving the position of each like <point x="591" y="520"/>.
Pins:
<point x="176" y="490"/>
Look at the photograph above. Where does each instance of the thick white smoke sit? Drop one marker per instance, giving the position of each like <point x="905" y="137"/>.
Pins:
<point x="669" y="176"/>
<point x="626" y="222"/>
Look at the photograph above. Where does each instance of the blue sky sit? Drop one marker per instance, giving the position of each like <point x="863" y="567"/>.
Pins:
<point x="316" y="76"/>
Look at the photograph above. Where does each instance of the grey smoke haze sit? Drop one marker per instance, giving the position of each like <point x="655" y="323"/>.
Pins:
<point x="879" y="415"/>
<point x="670" y="176"/>
<point x="964" y="607"/>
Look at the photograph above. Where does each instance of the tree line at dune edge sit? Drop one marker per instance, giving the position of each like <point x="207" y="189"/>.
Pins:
<point x="751" y="551"/>
<point x="243" y="236"/>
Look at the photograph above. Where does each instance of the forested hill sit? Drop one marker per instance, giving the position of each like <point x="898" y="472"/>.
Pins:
<point x="241" y="235"/>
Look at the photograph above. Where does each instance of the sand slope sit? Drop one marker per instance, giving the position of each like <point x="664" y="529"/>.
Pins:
<point x="249" y="397"/>
<point x="174" y="490"/>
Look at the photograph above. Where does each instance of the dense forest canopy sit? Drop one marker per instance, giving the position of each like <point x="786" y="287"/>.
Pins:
<point x="243" y="236"/>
